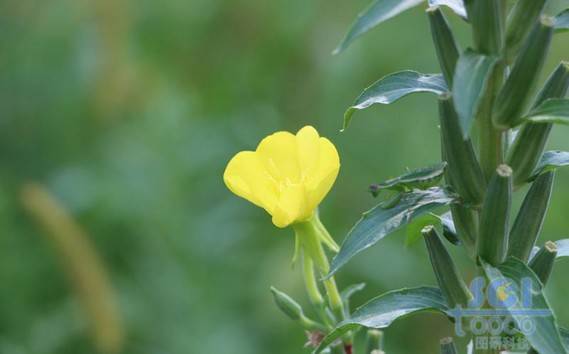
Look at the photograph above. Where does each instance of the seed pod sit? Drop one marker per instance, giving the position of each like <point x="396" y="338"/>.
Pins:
<point x="495" y="217"/>
<point x="453" y="287"/>
<point x="530" y="218"/>
<point x="464" y="169"/>
<point x="542" y="263"/>
<point x="445" y="44"/>
<point x="374" y="340"/>
<point x="516" y="91"/>
<point x="447" y="346"/>
<point x="523" y="16"/>
<point x="530" y="142"/>
<point x="487" y="27"/>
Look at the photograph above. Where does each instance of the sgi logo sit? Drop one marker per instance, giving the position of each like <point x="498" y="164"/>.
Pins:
<point x="498" y="308"/>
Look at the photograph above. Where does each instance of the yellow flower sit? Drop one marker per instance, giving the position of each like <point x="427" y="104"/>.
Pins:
<point x="287" y="175"/>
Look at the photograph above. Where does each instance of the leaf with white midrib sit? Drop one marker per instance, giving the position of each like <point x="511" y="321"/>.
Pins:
<point x="379" y="222"/>
<point x="377" y="12"/>
<point x="395" y="86"/>
<point x="383" y="310"/>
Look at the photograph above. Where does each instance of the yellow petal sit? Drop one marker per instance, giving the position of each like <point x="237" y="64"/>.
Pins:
<point x="247" y="177"/>
<point x="308" y="142"/>
<point x="291" y="206"/>
<point x="321" y="181"/>
<point x="278" y="153"/>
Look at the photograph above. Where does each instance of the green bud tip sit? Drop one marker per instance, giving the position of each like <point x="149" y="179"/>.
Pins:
<point x="547" y="21"/>
<point x="428" y="230"/>
<point x="504" y="171"/>
<point x="287" y="305"/>
<point x="550" y="247"/>
<point x="432" y="9"/>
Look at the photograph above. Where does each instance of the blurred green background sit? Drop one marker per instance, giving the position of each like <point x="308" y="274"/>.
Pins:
<point x="127" y="112"/>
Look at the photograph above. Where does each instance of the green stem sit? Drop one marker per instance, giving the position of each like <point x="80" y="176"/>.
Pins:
<point x="314" y="294"/>
<point x="312" y="234"/>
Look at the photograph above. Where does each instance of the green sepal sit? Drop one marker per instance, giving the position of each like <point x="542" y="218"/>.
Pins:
<point x="542" y="262"/>
<point x="447" y="346"/>
<point x="445" y="44"/>
<point x="518" y="88"/>
<point x="495" y="217"/>
<point x="530" y="142"/>
<point x="450" y="282"/>
<point x="522" y="18"/>
<point x="529" y="220"/>
<point x="465" y="173"/>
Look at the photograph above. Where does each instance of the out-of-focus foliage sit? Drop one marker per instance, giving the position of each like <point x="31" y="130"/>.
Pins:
<point x="127" y="112"/>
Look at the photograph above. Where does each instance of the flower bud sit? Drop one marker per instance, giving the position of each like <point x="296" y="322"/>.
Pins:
<point x="448" y="278"/>
<point x="523" y="16"/>
<point x="530" y="218"/>
<point x="445" y="44"/>
<point x="374" y="340"/>
<point x="517" y="90"/>
<point x="294" y="311"/>
<point x="542" y="263"/>
<point x="447" y="346"/>
<point x="463" y="167"/>
<point x="530" y="141"/>
<point x="495" y="217"/>
<point x="287" y="305"/>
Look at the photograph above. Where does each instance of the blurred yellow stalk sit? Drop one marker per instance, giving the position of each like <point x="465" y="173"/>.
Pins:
<point x="82" y="265"/>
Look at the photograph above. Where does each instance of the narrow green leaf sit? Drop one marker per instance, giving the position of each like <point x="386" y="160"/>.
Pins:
<point x="550" y="161"/>
<point x="378" y="222"/>
<point x="562" y="21"/>
<point x="555" y="110"/>
<point x="471" y="76"/>
<point x="377" y="12"/>
<point x="562" y="248"/>
<point x="545" y="338"/>
<point x="457" y="6"/>
<point x="421" y="178"/>
<point x="348" y="292"/>
<point x="383" y="310"/>
<point x="395" y="86"/>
